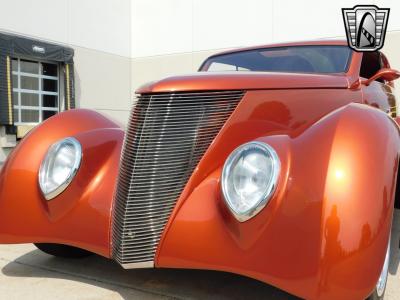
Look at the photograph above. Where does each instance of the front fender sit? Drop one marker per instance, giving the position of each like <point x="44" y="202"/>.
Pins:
<point x="324" y="233"/>
<point x="80" y="216"/>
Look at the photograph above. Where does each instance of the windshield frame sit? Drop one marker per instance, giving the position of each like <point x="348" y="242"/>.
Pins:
<point x="207" y="61"/>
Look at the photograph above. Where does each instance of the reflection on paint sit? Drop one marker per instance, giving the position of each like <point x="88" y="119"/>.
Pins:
<point x="339" y="174"/>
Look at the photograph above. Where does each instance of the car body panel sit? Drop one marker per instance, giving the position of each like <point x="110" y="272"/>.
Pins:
<point x="322" y="235"/>
<point x="80" y="216"/>
<point x="246" y="81"/>
<point x="329" y="42"/>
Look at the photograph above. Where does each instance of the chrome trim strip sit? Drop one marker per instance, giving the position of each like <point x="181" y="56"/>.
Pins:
<point x="270" y="188"/>
<point x="381" y="284"/>
<point x="61" y="188"/>
<point x="167" y="135"/>
<point x="139" y="265"/>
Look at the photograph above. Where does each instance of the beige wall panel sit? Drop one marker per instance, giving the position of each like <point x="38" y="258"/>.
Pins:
<point x="392" y="50"/>
<point x="158" y="67"/>
<point x="103" y="81"/>
<point x="118" y="116"/>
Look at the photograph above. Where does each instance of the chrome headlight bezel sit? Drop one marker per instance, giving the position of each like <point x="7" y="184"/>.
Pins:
<point x="267" y="194"/>
<point x="47" y="162"/>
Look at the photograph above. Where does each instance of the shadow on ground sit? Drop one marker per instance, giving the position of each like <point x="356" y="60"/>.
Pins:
<point x="159" y="283"/>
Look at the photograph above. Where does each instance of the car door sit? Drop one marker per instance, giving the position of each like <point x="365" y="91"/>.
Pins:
<point x="379" y="93"/>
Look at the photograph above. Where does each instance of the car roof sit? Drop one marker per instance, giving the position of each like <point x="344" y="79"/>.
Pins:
<point x="325" y="42"/>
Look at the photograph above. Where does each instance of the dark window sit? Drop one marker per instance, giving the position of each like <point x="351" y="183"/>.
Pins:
<point x="48" y="113"/>
<point x="50" y="85"/>
<point x="50" y="69"/>
<point x="300" y="59"/>
<point x="370" y="65"/>
<point x="49" y="101"/>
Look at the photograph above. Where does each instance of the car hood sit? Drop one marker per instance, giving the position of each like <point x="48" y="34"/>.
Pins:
<point x="244" y="81"/>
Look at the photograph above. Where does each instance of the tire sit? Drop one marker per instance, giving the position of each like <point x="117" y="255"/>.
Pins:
<point x="379" y="293"/>
<point x="375" y="296"/>
<point x="63" y="250"/>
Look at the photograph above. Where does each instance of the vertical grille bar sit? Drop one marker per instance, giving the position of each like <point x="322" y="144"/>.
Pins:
<point x="167" y="135"/>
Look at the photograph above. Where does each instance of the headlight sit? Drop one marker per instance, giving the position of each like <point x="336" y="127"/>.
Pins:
<point x="249" y="179"/>
<point x="59" y="167"/>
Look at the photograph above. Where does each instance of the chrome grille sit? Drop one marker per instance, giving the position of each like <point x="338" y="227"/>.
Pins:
<point x="167" y="135"/>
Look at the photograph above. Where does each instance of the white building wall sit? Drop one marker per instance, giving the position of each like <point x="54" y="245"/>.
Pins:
<point x="121" y="44"/>
<point x="161" y="27"/>
<point x="174" y="36"/>
<point x="100" y="33"/>
<point x="101" y="25"/>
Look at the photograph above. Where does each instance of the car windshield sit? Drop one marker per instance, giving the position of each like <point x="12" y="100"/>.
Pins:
<point x="299" y="59"/>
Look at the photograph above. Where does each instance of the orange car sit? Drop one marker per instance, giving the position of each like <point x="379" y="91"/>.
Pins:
<point x="277" y="162"/>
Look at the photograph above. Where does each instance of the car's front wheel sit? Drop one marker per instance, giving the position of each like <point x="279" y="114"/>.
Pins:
<point x="63" y="250"/>
<point x="379" y="292"/>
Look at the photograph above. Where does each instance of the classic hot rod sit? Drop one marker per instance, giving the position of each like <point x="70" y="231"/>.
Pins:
<point x="277" y="162"/>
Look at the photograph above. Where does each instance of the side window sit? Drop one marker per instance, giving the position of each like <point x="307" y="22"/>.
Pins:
<point x="370" y="64"/>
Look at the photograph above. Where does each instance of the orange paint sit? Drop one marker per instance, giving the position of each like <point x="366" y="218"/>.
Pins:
<point x="322" y="235"/>
<point x="80" y="216"/>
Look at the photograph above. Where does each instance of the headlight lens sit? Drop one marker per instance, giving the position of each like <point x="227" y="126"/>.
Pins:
<point x="59" y="167"/>
<point x="249" y="179"/>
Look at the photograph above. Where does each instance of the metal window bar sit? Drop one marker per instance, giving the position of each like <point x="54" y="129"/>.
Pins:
<point x="17" y="102"/>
